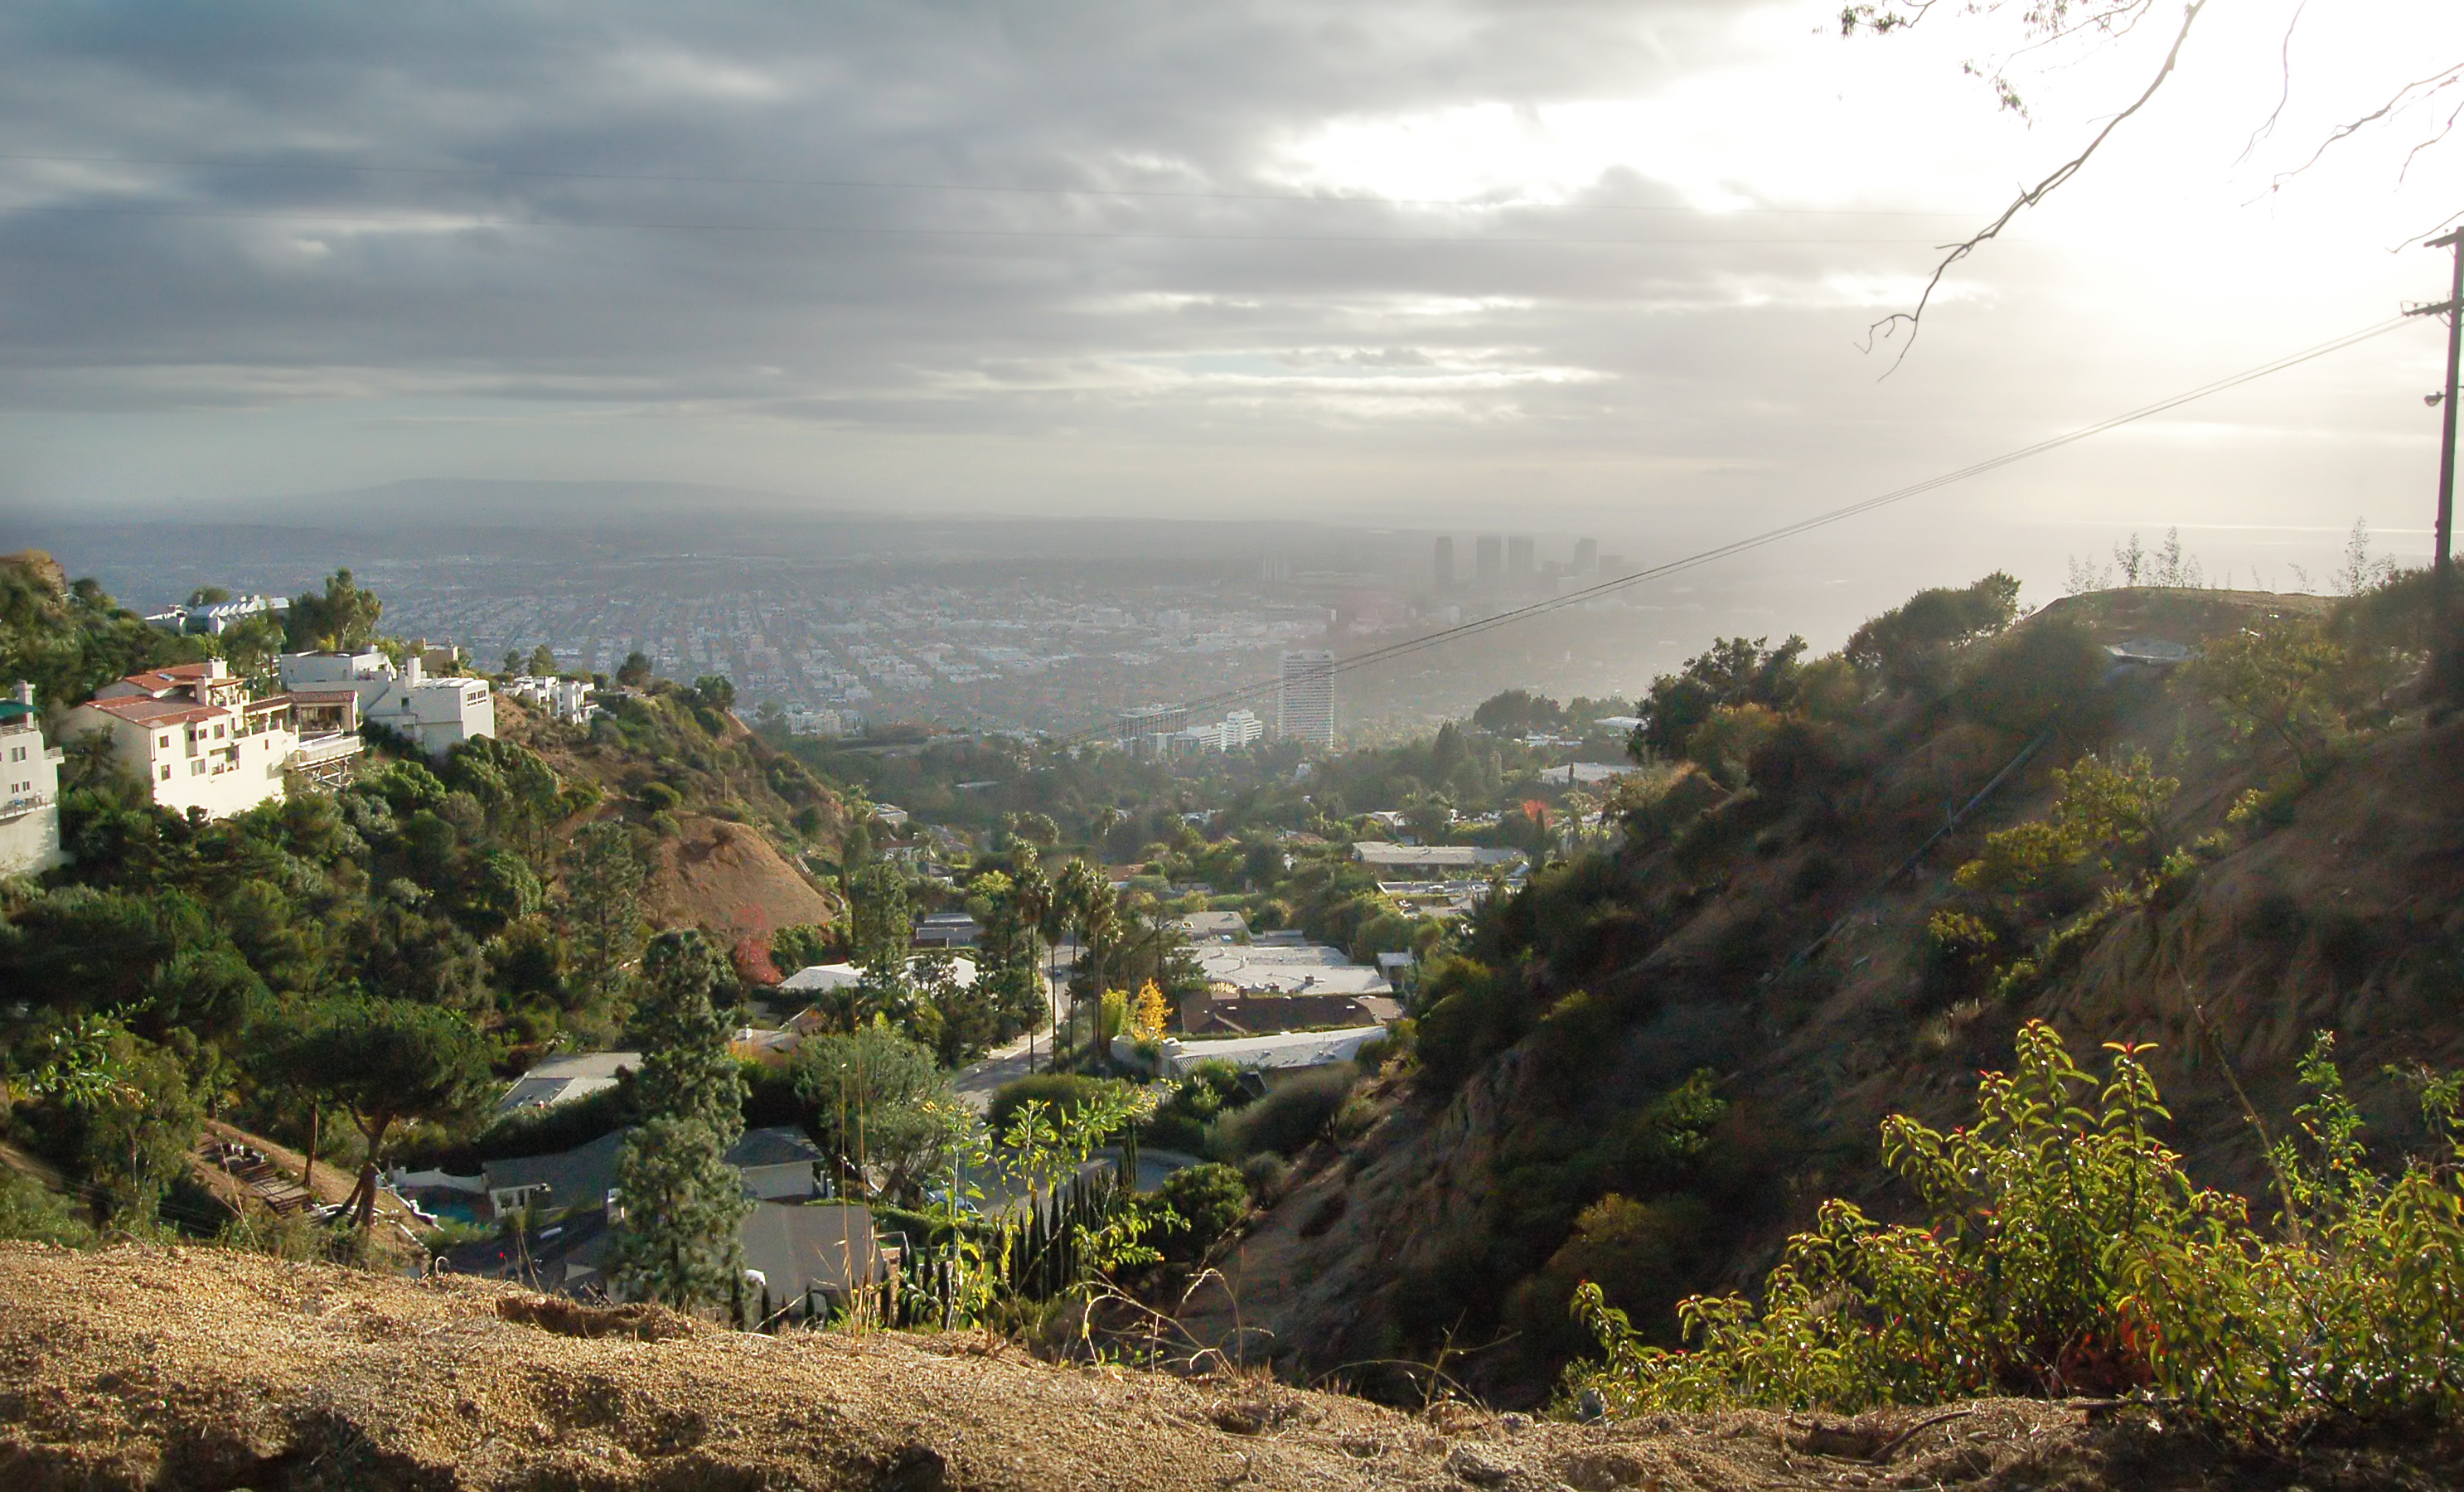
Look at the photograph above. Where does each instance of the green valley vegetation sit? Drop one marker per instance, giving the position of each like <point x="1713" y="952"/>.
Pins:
<point x="348" y="971"/>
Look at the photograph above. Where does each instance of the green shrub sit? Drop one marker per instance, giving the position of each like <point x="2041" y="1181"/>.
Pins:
<point x="1210" y="1200"/>
<point x="1472" y="1015"/>
<point x="1265" y="1174"/>
<point x="2065" y="1251"/>
<point x="1066" y="1092"/>
<point x="2029" y="675"/>
<point x="1289" y="1116"/>
<point x="36" y="1215"/>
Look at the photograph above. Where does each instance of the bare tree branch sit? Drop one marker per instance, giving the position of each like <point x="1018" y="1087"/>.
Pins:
<point x="2414" y="92"/>
<point x="2268" y="127"/>
<point x="1954" y="252"/>
<point x="2442" y="132"/>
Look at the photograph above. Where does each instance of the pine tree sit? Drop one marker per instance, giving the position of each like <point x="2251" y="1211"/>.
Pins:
<point x="676" y="1242"/>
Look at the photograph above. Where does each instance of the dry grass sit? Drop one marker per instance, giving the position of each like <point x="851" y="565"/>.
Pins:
<point x="145" y="1366"/>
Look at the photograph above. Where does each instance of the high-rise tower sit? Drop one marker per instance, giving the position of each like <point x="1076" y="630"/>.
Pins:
<point x="1489" y="561"/>
<point x="1305" y="703"/>
<point x="1445" y="563"/>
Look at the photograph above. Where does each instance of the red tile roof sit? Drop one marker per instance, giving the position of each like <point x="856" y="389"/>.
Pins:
<point x="142" y="710"/>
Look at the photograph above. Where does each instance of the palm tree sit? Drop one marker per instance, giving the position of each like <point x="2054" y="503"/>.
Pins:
<point x="1095" y="912"/>
<point x="1033" y="896"/>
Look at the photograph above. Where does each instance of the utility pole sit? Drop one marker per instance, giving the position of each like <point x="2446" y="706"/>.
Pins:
<point x="2452" y="308"/>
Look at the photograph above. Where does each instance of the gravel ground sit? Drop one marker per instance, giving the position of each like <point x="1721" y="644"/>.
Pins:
<point x="171" y="1369"/>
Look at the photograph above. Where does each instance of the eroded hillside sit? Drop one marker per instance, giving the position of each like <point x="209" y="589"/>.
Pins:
<point x="1651" y="1066"/>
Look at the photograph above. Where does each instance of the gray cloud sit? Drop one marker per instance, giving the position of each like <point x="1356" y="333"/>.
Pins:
<point x="639" y="233"/>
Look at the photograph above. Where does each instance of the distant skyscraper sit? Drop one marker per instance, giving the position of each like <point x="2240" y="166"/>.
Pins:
<point x="1305" y="704"/>
<point x="1445" y="563"/>
<point x="1518" y="558"/>
<point x="1490" y="561"/>
<point x="1587" y="555"/>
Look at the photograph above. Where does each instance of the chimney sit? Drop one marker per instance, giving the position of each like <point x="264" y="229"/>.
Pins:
<point x="24" y="693"/>
<point x="414" y="668"/>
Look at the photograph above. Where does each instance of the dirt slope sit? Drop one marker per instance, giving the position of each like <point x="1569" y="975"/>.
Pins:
<point x="726" y="877"/>
<point x="144" y="1366"/>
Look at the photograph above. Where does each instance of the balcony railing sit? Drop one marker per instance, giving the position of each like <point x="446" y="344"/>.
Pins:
<point x="16" y="808"/>
<point x="321" y="749"/>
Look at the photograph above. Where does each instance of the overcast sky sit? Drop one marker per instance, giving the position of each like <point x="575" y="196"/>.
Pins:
<point x="1558" y="265"/>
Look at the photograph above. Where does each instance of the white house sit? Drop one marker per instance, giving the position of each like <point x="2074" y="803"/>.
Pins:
<point x="1292" y="1051"/>
<point x="1433" y="860"/>
<point x="565" y="701"/>
<point x="436" y="713"/>
<point x="30" y="789"/>
<point x="192" y="736"/>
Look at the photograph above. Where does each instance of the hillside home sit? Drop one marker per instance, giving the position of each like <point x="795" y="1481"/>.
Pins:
<point x="30" y="789"/>
<point x="774" y="1165"/>
<point x="807" y="1259"/>
<point x="1269" y="967"/>
<point x="1220" y="1010"/>
<point x="1433" y="861"/>
<point x="190" y="733"/>
<point x="565" y="701"/>
<point x="435" y="713"/>
<point x="1272" y="1058"/>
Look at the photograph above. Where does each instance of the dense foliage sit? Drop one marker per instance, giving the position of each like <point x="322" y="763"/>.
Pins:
<point x="2062" y="1250"/>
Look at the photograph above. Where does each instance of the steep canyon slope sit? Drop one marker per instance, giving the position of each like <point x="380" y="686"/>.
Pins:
<point x="1659" y="1059"/>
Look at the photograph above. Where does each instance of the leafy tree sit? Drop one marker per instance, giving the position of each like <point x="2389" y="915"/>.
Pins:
<point x="1009" y="952"/>
<point x="138" y="1132"/>
<point x="1517" y="711"/>
<point x="387" y="1060"/>
<point x="1908" y="645"/>
<point x="636" y="670"/>
<point x="2288" y="680"/>
<point x="1733" y="670"/>
<point x="344" y="617"/>
<point x="543" y="662"/>
<point x="601" y="913"/>
<point x="882" y="930"/>
<point x="877" y="1102"/>
<point x="715" y="692"/>
<point x="799" y="945"/>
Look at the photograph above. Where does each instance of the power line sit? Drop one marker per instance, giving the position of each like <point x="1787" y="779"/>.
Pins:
<point x="1394" y="650"/>
<point x="455" y="224"/>
<point x="1312" y="199"/>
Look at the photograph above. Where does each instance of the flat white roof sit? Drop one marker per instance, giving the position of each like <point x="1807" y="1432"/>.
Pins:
<point x="1290" y="1050"/>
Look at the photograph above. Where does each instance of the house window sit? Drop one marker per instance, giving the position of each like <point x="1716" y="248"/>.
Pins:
<point x="163" y="740"/>
<point x="17" y="755"/>
<point x="166" y="772"/>
<point x="218" y="733"/>
<point x="197" y="768"/>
